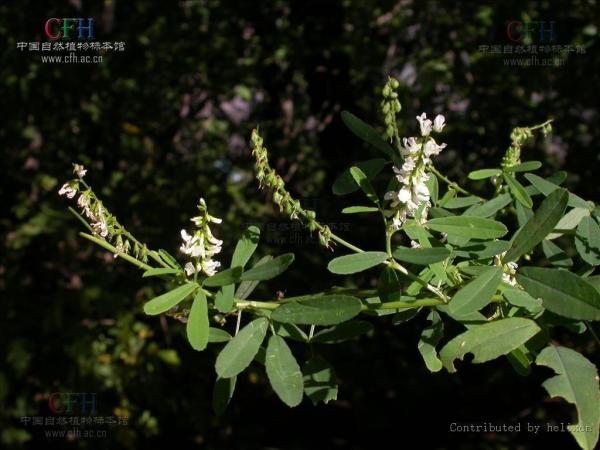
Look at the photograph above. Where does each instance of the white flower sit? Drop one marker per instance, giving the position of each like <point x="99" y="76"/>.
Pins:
<point x="100" y="228"/>
<point x="210" y="267"/>
<point x="404" y="195"/>
<point x="79" y="170"/>
<point x="409" y="165"/>
<point x="67" y="190"/>
<point x="439" y="123"/>
<point x="190" y="269"/>
<point x="422" y="193"/>
<point x="393" y="196"/>
<point x="83" y="201"/>
<point x="410" y="146"/>
<point x="431" y="148"/>
<point x="425" y="124"/>
<point x="185" y="236"/>
<point x="415" y="244"/>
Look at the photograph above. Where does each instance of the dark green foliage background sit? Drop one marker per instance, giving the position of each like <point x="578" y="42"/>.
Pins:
<point x="168" y="121"/>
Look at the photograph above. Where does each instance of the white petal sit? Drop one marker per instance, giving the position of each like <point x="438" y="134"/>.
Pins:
<point x="439" y="123"/>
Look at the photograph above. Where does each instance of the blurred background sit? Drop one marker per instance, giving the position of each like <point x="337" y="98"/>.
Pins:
<point x="168" y="120"/>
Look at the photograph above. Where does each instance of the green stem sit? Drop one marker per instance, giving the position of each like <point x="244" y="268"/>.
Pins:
<point x="451" y="183"/>
<point x="592" y="332"/>
<point x="346" y="244"/>
<point x="535" y="127"/>
<point x="394" y="265"/>
<point x="102" y="243"/>
<point x="400" y="304"/>
<point x="81" y="219"/>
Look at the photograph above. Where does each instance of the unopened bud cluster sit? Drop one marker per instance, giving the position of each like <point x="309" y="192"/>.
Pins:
<point x="390" y="106"/>
<point x="268" y="178"/>
<point x="519" y="137"/>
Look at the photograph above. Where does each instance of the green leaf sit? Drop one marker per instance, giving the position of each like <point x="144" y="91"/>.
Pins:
<point x="269" y="269"/>
<point x="321" y="310"/>
<point x="170" y="260"/>
<point x="460" y="202"/>
<point x="523" y="214"/>
<point x="569" y="221"/>
<point x="522" y="299"/>
<point x="284" y="372"/>
<point x="524" y="167"/>
<point x="291" y="331"/>
<point x="546" y="187"/>
<point x="246" y="287"/>
<point x="519" y="360"/>
<point x="224" y="299"/>
<point x="435" y="213"/>
<point x="166" y="301"/>
<point x="562" y="292"/>
<point x="484" y="173"/>
<point x="197" y="327"/>
<point x="576" y="381"/>
<point x="363" y="182"/>
<point x="240" y="351"/>
<point x="430" y="338"/>
<point x="434" y="188"/>
<point x="538" y="227"/>
<point x="555" y="254"/>
<point x="518" y="191"/>
<point x="587" y="241"/>
<point x="476" y="294"/>
<point x="245" y="247"/>
<point x="491" y="207"/>
<point x="319" y="380"/>
<point x="345" y="184"/>
<point x="388" y="287"/>
<point x="468" y="227"/>
<point x="404" y="315"/>
<point x="222" y="393"/>
<point x="359" y="209"/>
<point x="218" y="335"/>
<point x="366" y="133"/>
<point x="227" y="276"/>
<point x="421" y="256"/>
<point x="342" y="332"/>
<point x="488" y="341"/>
<point x="356" y="262"/>
<point x="160" y="271"/>
<point x="482" y="250"/>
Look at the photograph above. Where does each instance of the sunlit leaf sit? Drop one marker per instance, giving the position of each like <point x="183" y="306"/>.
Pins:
<point x="562" y="292"/>
<point x="240" y="351"/>
<point x="576" y="381"/>
<point x="356" y="262"/>
<point x="538" y="227"/>
<point x="197" y="327"/>
<point x="488" y="341"/>
<point x="319" y="310"/>
<point x="166" y="301"/>
<point x="284" y="372"/>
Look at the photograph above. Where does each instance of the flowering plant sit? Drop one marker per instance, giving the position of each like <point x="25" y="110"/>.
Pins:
<point x="448" y="256"/>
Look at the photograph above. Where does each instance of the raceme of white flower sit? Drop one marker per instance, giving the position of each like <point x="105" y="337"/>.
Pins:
<point x="201" y="245"/>
<point x="412" y="198"/>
